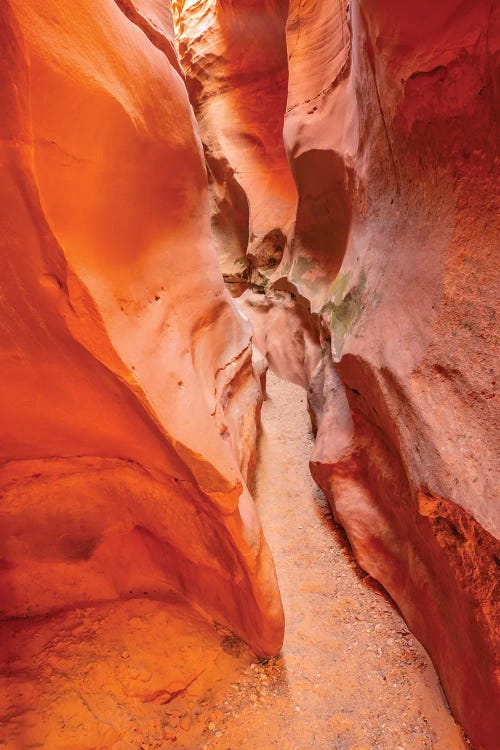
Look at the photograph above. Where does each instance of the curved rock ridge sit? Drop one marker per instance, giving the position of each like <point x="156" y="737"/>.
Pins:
<point x="235" y="61"/>
<point x="129" y="402"/>
<point x="383" y="303"/>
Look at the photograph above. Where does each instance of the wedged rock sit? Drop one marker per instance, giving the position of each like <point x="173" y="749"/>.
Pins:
<point x="284" y="333"/>
<point x="128" y="397"/>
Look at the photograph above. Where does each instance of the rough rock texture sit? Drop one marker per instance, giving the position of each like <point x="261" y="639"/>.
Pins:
<point x="390" y="131"/>
<point x="115" y="675"/>
<point x="235" y="63"/>
<point x="128" y="399"/>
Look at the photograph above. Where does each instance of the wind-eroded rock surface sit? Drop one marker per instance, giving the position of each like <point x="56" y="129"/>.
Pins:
<point x="406" y="440"/>
<point x="129" y="403"/>
<point x="235" y="60"/>
<point x="384" y="301"/>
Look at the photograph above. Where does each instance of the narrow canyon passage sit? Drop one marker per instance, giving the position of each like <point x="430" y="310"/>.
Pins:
<point x="197" y="196"/>
<point x="153" y="673"/>
<point x="351" y="676"/>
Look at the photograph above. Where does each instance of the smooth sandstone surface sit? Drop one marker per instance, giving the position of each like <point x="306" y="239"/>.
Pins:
<point x="352" y="175"/>
<point x="407" y="440"/>
<point x="129" y="403"/>
<point x="390" y="129"/>
<point x="235" y="60"/>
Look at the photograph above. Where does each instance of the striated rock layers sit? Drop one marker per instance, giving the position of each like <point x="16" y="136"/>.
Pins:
<point x="129" y="404"/>
<point x="390" y="131"/>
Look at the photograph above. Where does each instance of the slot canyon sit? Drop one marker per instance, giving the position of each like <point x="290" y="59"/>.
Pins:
<point x="249" y="436"/>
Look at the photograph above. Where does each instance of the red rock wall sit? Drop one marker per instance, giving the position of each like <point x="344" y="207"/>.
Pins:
<point x="129" y="402"/>
<point x="406" y="441"/>
<point x="390" y="131"/>
<point x="235" y="62"/>
<point x="128" y="399"/>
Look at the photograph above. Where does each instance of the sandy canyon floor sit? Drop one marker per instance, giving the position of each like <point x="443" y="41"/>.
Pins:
<point x="149" y="675"/>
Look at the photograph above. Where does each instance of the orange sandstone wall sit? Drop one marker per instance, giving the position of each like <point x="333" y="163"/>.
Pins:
<point x="235" y="59"/>
<point x="383" y="302"/>
<point x="128" y="399"/>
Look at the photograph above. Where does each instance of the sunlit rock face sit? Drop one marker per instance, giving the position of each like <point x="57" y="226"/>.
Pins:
<point x="390" y="134"/>
<point x="395" y="105"/>
<point x="129" y="403"/>
<point x="235" y="60"/>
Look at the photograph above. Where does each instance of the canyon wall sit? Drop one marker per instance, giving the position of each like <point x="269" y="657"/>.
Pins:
<point x="129" y="403"/>
<point x="406" y="441"/>
<point x="235" y="62"/>
<point x="350" y="151"/>
<point x="383" y="303"/>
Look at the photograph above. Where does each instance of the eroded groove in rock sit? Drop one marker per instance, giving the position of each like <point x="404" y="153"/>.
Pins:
<point x="235" y="61"/>
<point x="155" y="20"/>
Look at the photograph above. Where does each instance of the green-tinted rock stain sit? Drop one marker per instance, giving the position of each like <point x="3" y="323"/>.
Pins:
<point x="344" y="309"/>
